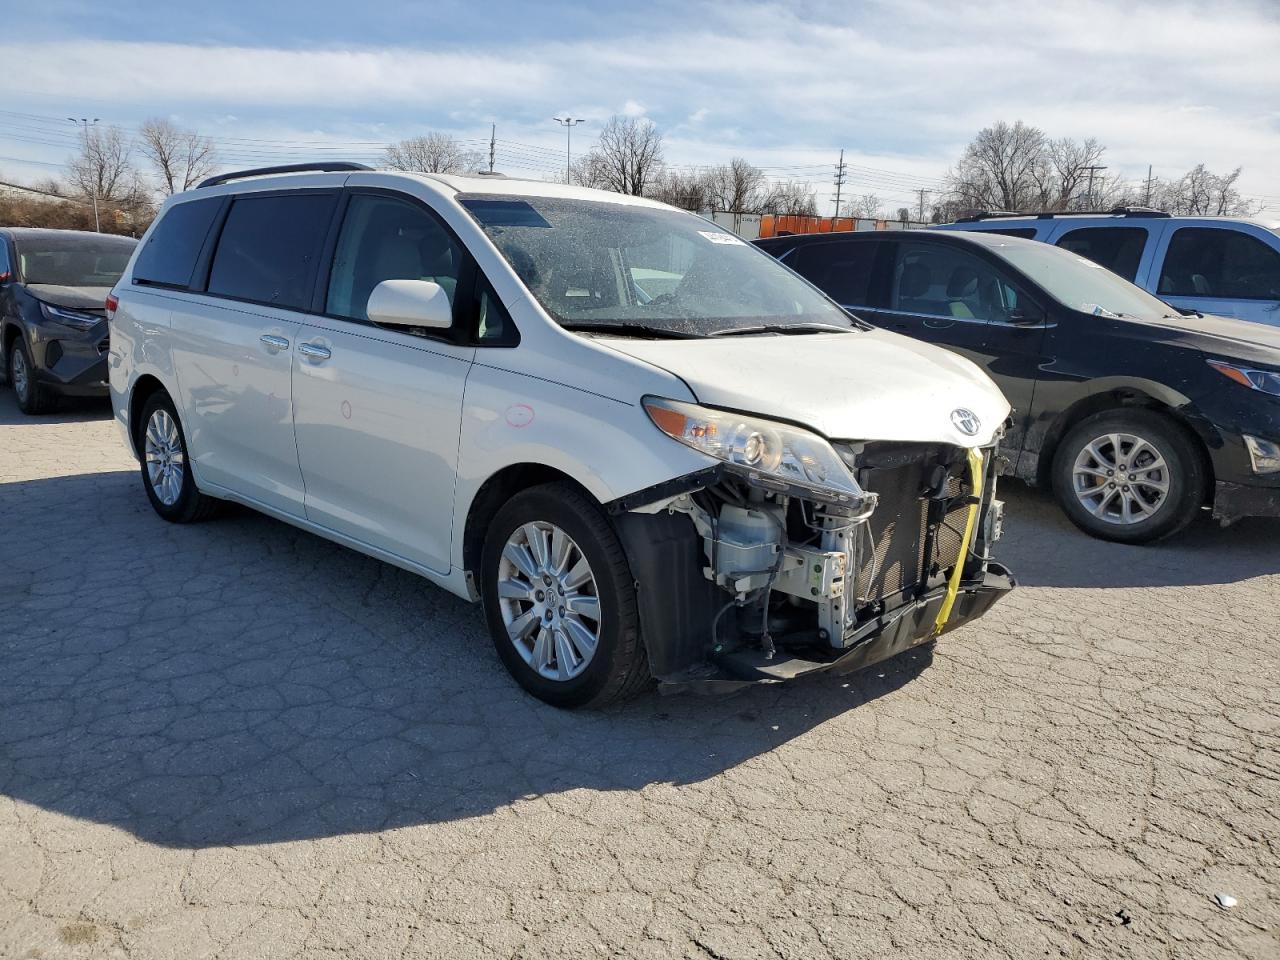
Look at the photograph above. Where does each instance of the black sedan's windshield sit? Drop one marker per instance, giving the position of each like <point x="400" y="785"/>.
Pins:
<point x="1081" y="284"/>
<point x="594" y="264"/>
<point x="74" y="260"/>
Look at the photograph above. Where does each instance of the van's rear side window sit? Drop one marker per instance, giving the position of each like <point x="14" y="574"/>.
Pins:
<point x="169" y="257"/>
<point x="270" y="246"/>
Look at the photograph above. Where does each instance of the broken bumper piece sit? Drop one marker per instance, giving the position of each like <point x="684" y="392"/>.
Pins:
<point x="885" y="636"/>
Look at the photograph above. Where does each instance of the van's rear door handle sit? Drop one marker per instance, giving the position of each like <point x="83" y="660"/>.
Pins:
<point x="273" y="343"/>
<point x="313" y="351"/>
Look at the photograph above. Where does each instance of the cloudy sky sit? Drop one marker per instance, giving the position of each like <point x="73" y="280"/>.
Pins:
<point x="901" y="86"/>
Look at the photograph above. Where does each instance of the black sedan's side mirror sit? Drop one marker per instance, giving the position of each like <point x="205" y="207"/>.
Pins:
<point x="1027" y="315"/>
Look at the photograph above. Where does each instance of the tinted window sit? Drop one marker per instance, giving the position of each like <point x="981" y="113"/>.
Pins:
<point x="72" y="259"/>
<point x="1208" y="262"/>
<point x="1026" y="233"/>
<point x="169" y="255"/>
<point x="841" y="270"/>
<point x="4" y="258"/>
<point x="269" y="246"/>
<point x="388" y="239"/>
<point x="943" y="281"/>
<point x="1117" y="248"/>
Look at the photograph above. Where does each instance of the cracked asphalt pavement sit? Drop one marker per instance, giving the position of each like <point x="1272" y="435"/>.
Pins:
<point x="238" y="740"/>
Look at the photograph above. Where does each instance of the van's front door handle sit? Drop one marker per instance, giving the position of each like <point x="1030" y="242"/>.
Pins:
<point x="313" y="351"/>
<point x="273" y="343"/>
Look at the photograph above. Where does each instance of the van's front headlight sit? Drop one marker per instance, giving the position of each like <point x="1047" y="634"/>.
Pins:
<point x="774" y="455"/>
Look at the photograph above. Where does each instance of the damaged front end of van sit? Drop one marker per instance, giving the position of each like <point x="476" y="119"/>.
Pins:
<point x="796" y="555"/>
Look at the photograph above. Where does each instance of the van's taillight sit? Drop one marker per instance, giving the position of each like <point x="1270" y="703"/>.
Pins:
<point x="112" y="302"/>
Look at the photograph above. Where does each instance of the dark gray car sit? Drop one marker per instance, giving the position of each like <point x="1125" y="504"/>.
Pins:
<point x="53" y="321"/>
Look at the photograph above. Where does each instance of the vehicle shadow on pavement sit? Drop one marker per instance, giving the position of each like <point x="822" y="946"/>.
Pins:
<point x="68" y="410"/>
<point x="1044" y="549"/>
<point x="240" y="682"/>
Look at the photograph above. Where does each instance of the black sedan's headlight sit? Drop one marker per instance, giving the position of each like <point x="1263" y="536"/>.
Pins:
<point x="1264" y="381"/>
<point x="69" y="318"/>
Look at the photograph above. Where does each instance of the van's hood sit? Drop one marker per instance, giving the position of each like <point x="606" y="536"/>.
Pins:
<point x="73" y="298"/>
<point x="865" y="385"/>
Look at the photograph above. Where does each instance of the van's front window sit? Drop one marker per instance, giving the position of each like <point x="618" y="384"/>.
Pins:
<point x="597" y="264"/>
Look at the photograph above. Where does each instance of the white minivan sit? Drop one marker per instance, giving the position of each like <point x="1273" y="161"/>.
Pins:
<point x="649" y="449"/>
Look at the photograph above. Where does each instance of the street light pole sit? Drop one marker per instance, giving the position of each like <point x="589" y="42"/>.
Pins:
<point x="568" y="124"/>
<point x="93" y="182"/>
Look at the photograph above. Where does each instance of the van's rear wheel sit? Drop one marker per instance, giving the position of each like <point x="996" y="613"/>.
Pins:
<point x="1129" y="475"/>
<point x="559" y="599"/>
<point x="166" y="468"/>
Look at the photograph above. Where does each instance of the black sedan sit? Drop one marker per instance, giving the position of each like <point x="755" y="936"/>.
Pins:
<point x="53" y="322"/>
<point x="1138" y="417"/>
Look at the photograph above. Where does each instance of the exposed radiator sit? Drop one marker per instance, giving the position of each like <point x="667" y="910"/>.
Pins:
<point x="900" y="526"/>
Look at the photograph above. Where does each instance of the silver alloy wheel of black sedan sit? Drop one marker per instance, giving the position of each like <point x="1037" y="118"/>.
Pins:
<point x="549" y="600"/>
<point x="1121" y="478"/>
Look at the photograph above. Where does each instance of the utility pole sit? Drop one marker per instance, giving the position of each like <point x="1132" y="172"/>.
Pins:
<point x="841" y="176"/>
<point x="1146" y="202"/>
<point x="568" y="123"/>
<point x="93" y="182"/>
<point x="493" y="143"/>
<point x="1092" y="170"/>
<point x="923" y="194"/>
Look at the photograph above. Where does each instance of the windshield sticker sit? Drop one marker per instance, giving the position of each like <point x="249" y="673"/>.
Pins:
<point x="716" y="236"/>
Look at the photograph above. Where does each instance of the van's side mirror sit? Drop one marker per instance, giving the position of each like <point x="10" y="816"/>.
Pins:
<point x="410" y="303"/>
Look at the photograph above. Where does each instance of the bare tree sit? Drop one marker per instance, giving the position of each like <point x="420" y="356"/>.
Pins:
<point x="736" y="187"/>
<point x="904" y="214"/>
<point x="104" y="167"/>
<point x="1200" y="191"/>
<point x="1003" y="168"/>
<point x="1065" y="172"/>
<point x="687" y="190"/>
<point x="790" y="198"/>
<point x="866" y="206"/>
<point x="626" y="159"/>
<point x="181" y="158"/>
<point x="433" y="153"/>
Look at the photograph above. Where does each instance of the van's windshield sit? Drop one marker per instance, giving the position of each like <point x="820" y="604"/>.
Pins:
<point x="597" y="265"/>
<point x="1081" y="284"/>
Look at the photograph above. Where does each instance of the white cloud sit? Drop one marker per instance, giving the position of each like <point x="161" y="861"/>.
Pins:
<point x="900" y="84"/>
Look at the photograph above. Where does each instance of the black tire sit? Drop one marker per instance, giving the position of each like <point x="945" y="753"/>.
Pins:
<point x="1170" y="512"/>
<point x="619" y="667"/>
<point x="190" y="506"/>
<point x="35" y="398"/>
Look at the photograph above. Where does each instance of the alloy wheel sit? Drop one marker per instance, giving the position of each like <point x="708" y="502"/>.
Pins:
<point x="1121" y="478"/>
<point x="164" y="456"/>
<point x="549" y="601"/>
<point x="18" y="373"/>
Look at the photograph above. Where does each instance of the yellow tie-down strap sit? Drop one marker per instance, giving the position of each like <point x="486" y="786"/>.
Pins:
<point x="971" y="521"/>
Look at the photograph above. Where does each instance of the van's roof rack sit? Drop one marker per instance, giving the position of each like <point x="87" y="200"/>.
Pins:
<point x="1050" y="214"/>
<point x="323" y="166"/>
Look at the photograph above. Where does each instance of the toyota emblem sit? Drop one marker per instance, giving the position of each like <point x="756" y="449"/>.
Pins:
<point x="966" y="421"/>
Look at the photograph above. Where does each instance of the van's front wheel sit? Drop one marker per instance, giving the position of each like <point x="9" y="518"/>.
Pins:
<point x="559" y="599"/>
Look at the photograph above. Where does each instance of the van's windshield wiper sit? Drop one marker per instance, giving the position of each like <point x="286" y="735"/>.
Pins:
<point x="783" y="328"/>
<point x="632" y="330"/>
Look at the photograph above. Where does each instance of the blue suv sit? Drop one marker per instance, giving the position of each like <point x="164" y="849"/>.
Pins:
<point x="1219" y="265"/>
